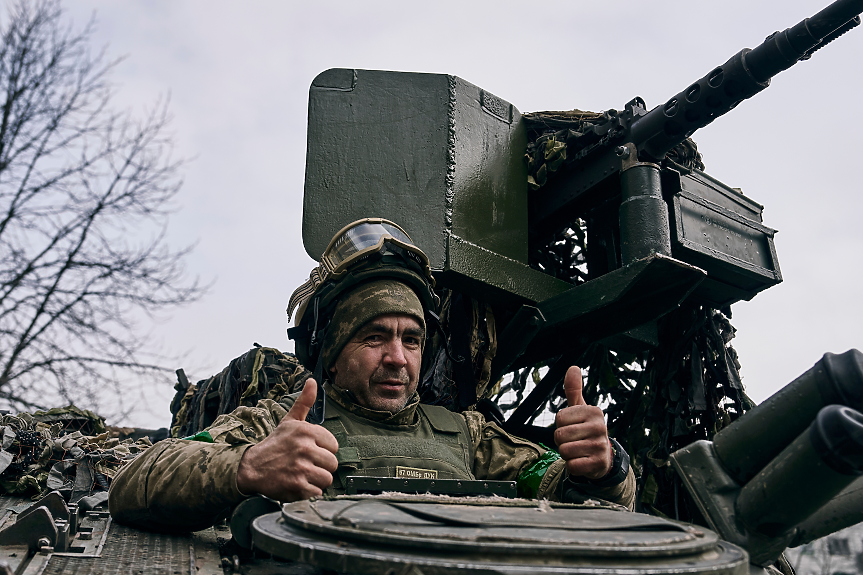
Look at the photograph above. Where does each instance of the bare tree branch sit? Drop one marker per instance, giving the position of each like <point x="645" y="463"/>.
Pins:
<point x="85" y="193"/>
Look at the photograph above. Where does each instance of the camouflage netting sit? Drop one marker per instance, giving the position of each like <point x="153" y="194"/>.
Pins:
<point x="686" y="389"/>
<point x="657" y="401"/>
<point x="260" y="373"/>
<point x="64" y="449"/>
<point x="470" y="328"/>
<point x="559" y="138"/>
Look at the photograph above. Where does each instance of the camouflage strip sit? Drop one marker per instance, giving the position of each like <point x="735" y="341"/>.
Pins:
<point x="483" y="344"/>
<point x="301" y="295"/>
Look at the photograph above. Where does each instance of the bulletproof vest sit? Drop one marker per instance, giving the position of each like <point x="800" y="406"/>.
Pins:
<point x="437" y="445"/>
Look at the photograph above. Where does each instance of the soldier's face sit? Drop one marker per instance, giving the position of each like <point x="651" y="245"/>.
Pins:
<point x="381" y="363"/>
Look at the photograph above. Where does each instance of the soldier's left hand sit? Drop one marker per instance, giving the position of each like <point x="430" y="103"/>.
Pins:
<point x="581" y="434"/>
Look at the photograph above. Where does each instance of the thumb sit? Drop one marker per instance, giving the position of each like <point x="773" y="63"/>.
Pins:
<point x="305" y="401"/>
<point x="572" y="386"/>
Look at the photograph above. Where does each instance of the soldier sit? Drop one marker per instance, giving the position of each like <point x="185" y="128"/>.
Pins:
<point x="362" y="326"/>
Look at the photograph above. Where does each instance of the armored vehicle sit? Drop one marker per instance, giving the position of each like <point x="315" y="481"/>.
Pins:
<point x="566" y="238"/>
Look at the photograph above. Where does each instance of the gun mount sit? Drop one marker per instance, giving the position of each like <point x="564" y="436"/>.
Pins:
<point x="613" y="173"/>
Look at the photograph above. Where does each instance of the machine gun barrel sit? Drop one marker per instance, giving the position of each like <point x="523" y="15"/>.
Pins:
<point x="741" y="77"/>
<point x="591" y="171"/>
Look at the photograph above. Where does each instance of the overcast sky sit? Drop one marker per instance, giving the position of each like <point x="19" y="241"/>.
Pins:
<point x="238" y="75"/>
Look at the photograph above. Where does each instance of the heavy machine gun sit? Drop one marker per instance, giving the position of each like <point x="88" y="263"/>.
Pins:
<point x="620" y="159"/>
<point x="452" y="162"/>
<point x="604" y="151"/>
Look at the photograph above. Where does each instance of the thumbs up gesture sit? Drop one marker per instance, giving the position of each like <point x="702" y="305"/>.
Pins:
<point x="581" y="434"/>
<point x="296" y="461"/>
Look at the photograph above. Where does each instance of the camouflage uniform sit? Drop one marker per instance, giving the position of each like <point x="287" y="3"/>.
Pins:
<point x="186" y="485"/>
<point x="181" y="484"/>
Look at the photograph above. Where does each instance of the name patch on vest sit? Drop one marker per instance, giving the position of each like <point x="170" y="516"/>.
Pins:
<point x="415" y="473"/>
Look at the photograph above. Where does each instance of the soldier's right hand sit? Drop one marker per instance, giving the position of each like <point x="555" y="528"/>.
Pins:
<point x="296" y="461"/>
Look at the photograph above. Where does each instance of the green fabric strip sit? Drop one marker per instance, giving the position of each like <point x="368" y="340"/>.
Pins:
<point x="201" y="436"/>
<point x="529" y="480"/>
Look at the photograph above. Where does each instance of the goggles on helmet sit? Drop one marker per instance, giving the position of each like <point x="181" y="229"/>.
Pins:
<point x="351" y="246"/>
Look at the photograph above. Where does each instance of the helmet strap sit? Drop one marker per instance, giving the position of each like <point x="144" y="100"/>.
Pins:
<point x="308" y="328"/>
<point x="317" y="413"/>
<point x="313" y="341"/>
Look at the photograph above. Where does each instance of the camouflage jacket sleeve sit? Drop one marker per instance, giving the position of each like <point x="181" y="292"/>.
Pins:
<point x="504" y="457"/>
<point x="184" y="485"/>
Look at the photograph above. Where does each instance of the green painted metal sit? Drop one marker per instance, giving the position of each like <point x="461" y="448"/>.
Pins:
<point x="616" y="302"/>
<point x="842" y="511"/>
<point x="437" y="536"/>
<point x="474" y="269"/>
<point x="773" y="503"/>
<point x="788" y="470"/>
<point x="834" y="379"/>
<point x="432" y="152"/>
<point x="715" y="493"/>
<point x="719" y="229"/>
<point x="643" y="214"/>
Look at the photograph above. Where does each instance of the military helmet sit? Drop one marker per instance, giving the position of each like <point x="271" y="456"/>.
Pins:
<point x="363" y="251"/>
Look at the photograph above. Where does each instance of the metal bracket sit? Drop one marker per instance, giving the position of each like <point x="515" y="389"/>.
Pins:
<point x="53" y="502"/>
<point x="613" y="303"/>
<point x="35" y="530"/>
